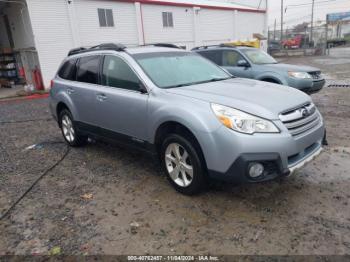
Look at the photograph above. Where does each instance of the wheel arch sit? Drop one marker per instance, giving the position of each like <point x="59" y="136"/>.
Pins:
<point x="272" y="78"/>
<point x="59" y="108"/>
<point x="174" y="127"/>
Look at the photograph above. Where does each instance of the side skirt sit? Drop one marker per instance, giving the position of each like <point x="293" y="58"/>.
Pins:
<point x="112" y="137"/>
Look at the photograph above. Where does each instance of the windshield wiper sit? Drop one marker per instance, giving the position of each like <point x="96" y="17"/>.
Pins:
<point x="181" y="85"/>
<point x="213" y="80"/>
<point x="200" y="82"/>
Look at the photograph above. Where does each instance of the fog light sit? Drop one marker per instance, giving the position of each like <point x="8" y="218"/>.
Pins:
<point x="256" y="170"/>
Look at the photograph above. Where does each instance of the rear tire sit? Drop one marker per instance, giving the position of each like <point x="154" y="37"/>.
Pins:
<point x="182" y="164"/>
<point x="69" y="130"/>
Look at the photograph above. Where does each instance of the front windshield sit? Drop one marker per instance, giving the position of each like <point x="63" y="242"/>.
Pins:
<point x="259" y="57"/>
<point x="175" y="69"/>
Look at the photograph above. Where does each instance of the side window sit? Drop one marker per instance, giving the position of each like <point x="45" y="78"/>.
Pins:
<point x="88" y="68"/>
<point x="231" y="58"/>
<point x="68" y="70"/>
<point x="168" y="20"/>
<point x="214" y="55"/>
<point x="117" y="73"/>
<point x="105" y="16"/>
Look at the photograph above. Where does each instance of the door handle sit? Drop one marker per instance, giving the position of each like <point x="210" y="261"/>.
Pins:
<point x="70" y="91"/>
<point x="101" y="97"/>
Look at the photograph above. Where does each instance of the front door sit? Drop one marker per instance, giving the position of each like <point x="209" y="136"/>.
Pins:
<point x="231" y="62"/>
<point x="120" y="104"/>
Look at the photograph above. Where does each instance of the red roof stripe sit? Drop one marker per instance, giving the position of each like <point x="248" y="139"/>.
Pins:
<point x="193" y="5"/>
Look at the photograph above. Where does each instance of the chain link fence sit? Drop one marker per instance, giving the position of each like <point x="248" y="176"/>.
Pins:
<point x="299" y="41"/>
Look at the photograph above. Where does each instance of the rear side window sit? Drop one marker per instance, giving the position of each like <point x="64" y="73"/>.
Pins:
<point x="214" y="55"/>
<point x="88" y="68"/>
<point x="117" y="73"/>
<point x="68" y="70"/>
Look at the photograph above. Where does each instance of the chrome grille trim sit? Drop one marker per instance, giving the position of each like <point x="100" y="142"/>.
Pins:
<point x="301" y="120"/>
<point x="305" y="128"/>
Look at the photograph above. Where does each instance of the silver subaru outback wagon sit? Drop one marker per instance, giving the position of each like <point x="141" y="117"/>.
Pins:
<point x="199" y="120"/>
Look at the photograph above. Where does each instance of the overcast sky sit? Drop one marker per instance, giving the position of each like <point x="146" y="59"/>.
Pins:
<point x="298" y="14"/>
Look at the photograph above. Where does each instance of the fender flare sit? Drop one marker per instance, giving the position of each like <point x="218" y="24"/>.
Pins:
<point x="272" y="76"/>
<point x="65" y="99"/>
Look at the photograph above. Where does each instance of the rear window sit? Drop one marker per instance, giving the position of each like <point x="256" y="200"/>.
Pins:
<point x="88" y="68"/>
<point x="68" y="70"/>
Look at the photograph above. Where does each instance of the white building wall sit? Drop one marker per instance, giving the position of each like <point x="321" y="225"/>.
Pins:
<point x="182" y="33"/>
<point x="249" y="3"/>
<point x="52" y="34"/>
<point x="125" y="23"/>
<point x="249" y="23"/>
<point x="216" y="26"/>
<point x="54" y="21"/>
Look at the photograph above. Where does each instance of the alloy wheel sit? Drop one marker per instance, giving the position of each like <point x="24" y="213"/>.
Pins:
<point x="68" y="129"/>
<point x="178" y="164"/>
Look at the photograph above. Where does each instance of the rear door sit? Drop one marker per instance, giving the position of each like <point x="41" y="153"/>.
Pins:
<point x="80" y="77"/>
<point x="82" y="91"/>
<point x="120" y="104"/>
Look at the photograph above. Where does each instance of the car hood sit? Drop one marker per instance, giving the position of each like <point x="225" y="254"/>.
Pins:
<point x="288" y="67"/>
<point x="263" y="99"/>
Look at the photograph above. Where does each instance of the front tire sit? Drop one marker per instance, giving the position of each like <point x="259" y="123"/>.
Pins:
<point x="69" y="131"/>
<point x="182" y="164"/>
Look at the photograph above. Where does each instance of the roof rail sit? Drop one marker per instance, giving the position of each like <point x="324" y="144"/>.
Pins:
<point x="164" y="45"/>
<point x="105" y="46"/>
<point x="76" y="51"/>
<point x="208" y="46"/>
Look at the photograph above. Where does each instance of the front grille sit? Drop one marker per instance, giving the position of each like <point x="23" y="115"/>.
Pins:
<point x="302" y="119"/>
<point x="316" y="75"/>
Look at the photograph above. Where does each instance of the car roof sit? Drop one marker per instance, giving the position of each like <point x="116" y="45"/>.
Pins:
<point x="113" y="48"/>
<point x="221" y="47"/>
<point x="152" y="49"/>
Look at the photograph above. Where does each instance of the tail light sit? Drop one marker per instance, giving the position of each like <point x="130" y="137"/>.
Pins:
<point x="51" y="84"/>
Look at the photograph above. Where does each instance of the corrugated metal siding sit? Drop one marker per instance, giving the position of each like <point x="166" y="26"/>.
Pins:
<point x="124" y="30"/>
<point x="216" y="26"/>
<point x="53" y="38"/>
<point x="183" y="31"/>
<point x="250" y="23"/>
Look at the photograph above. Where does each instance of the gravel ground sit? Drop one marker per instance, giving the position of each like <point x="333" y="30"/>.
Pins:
<point x="108" y="200"/>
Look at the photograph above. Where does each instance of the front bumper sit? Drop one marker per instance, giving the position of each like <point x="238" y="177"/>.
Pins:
<point x="307" y="85"/>
<point x="280" y="154"/>
<point x="238" y="172"/>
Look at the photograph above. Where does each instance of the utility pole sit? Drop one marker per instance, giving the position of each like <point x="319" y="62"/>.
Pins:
<point x="312" y="21"/>
<point x="282" y="11"/>
<point x="274" y="30"/>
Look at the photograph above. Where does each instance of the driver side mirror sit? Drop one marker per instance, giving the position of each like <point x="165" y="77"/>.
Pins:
<point x="243" y="63"/>
<point x="142" y="88"/>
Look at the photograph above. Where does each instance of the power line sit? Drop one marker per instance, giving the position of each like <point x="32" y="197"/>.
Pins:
<point x="319" y="2"/>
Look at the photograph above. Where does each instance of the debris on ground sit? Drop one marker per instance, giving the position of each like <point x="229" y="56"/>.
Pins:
<point x="55" y="251"/>
<point x="134" y="226"/>
<point x="87" y="196"/>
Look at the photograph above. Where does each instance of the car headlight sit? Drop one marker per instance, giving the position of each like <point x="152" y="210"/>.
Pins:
<point x="300" y="75"/>
<point x="241" y="121"/>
